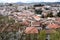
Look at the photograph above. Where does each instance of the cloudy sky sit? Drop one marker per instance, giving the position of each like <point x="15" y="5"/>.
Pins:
<point x="28" y="1"/>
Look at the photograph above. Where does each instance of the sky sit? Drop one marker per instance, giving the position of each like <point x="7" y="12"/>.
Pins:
<point x="27" y="1"/>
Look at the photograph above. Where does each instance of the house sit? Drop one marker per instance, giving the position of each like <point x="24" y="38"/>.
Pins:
<point x="31" y="30"/>
<point x="53" y="26"/>
<point x="35" y="23"/>
<point x="37" y="18"/>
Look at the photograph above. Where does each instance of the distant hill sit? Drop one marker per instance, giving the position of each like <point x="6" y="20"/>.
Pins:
<point x="46" y="3"/>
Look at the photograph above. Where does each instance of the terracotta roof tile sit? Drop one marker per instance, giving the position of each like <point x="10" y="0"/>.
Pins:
<point x="54" y="26"/>
<point x="31" y="30"/>
<point x="36" y="17"/>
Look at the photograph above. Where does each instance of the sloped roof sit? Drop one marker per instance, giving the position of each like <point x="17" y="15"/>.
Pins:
<point x="31" y="30"/>
<point x="53" y="26"/>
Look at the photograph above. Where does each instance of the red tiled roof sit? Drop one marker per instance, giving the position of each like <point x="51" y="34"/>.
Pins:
<point x="36" y="17"/>
<point x="58" y="19"/>
<point x="36" y="23"/>
<point x="26" y="23"/>
<point x="54" y="26"/>
<point x="31" y="30"/>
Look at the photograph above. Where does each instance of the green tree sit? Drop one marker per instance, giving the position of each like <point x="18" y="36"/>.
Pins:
<point x="38" y="11"/>
<point x="58" y="14"/>
<point x="50" y="15"/>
